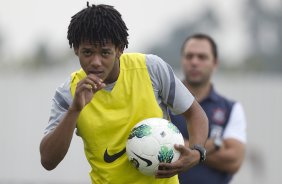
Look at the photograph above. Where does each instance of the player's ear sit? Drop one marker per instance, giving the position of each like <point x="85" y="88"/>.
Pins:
<point x="119" y="51"/>
<point x="75" y="51"/>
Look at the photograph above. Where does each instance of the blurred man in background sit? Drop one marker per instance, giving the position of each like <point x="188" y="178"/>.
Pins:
<point x="227" y="125"/>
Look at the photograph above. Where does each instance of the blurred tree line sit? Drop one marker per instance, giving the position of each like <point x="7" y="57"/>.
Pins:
<point x="263" y="29"/>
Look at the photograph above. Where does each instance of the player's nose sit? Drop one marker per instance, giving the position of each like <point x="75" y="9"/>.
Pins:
<point x="96" y="61"/>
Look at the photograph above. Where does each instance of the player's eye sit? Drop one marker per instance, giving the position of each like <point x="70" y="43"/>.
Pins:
<point x="106" y="53"/>
<point x="87" y="53"/>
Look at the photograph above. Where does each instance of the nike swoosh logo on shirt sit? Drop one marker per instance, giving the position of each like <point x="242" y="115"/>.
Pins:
<point x="111" y="158"/>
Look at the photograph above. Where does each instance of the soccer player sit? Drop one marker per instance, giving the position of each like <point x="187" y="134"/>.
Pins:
<point x="227" y="125"/>
<point x="111" y="93"/>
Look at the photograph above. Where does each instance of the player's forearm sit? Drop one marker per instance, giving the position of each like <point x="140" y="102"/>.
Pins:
<point x="55" y="145"/>
<point x="198" y="124"/>
<point x="227" y="159"/>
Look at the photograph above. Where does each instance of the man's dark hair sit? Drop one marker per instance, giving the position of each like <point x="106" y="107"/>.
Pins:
<point x="97" y="23"/>
<point x="204" y="37"/>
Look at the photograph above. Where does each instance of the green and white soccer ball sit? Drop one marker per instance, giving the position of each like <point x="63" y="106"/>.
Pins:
<point x="151" y="142"/>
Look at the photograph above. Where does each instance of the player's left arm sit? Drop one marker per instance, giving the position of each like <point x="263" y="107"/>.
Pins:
<point x="180" y="101"/>
<point x="231" y="154"/>
<point x="197" y="126"/>
<point x="198" y="132"/>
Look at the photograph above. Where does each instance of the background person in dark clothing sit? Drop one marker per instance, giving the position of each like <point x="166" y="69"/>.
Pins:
<point x="227" y="125"/>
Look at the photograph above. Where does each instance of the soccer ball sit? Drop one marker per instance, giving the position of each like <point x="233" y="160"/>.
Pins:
<point x="151" y="142"/>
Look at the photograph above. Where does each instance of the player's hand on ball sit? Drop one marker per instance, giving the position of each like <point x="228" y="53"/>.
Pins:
<point x="85" y="90"/>
<point x="187" y="159"/>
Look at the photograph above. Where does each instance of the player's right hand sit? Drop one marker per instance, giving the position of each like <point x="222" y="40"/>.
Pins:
<point x="85" y="90"/>
<point x="187" y="159"/>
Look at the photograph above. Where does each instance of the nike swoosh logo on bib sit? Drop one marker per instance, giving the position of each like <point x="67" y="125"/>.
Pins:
<point x="111" y="158"/>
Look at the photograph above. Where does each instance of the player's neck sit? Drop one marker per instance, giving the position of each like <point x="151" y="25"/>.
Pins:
<point x="200" y="92"/>
<point x="114" y="73"/>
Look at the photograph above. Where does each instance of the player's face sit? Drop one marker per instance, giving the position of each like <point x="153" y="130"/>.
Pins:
<point x="198" y="62"/>
<point x="100" y="60"/>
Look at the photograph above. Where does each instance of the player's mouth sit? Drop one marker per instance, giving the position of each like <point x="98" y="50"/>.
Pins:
<point x="98" y="73"/>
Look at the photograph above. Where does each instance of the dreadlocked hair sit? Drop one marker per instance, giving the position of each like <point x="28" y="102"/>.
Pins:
<point x="97" y="23"/>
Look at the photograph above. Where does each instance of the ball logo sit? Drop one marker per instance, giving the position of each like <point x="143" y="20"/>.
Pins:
<point x="144" y="159"/>
<point x="134" y="162"/>
<point x="165" y="155"/>
<point x="173" y="127"/>
<point x="140" y="131"/>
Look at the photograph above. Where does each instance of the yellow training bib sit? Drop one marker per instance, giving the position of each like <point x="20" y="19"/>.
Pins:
<point x="105" y="123"/>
